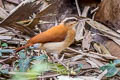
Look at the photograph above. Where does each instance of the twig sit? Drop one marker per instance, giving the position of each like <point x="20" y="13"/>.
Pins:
<point x="78" y="8"/>
<point x="102" y="75"/>
<point x="48" y="76"/>
<point x="9" y="60"/>
<point x="61" y="62"/>
<point x="94" y="55"/>
<point x="94" y="10"/>
<point x="85" y="11"/>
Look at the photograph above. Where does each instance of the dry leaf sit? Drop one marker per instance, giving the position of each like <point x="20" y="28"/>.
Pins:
<point x="102" y="75"/>
<point x="97" y="47"/>
<point x="101" y="49"/>
<point x="94" y="65"/>
<point x="3" y="13"/>
<point x="14" y="1"/>
<point x="105" y="30"/>
<point x="98" y="62"/>
<point x="77" y="78"/>
<point x="1" y="4"/>
<point x="87" y="40"/>
<point x="80" y="27"/>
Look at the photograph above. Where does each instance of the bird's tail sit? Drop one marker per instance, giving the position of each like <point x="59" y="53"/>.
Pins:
<point x="23" y="47"/>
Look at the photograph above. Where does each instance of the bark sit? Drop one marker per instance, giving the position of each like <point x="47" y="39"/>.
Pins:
<point x="109" y="13"/>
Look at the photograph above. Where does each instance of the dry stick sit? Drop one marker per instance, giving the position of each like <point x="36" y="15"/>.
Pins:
<point x="28" y="73"/>
<point x="105" y="30"/>
<point x="80" y="27"/>
<point x="102" y="75"/>
<point x="78" y="30"/>
<point x="61" y="62"/>
<point x="85" y="54"/>
<point x="78" y="8"/>
<point x="98" y="56"/>
<point x="94" y="10"/>
<point x="85" y="11"/>
<point x="48" y="76"/>
<point x="9" y="59"/>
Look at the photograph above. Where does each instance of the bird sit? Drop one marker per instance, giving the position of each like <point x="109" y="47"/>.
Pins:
<point x="55" y="39"/>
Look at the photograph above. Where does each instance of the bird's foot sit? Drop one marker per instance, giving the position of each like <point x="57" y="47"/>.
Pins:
<point x="60" y="60"/>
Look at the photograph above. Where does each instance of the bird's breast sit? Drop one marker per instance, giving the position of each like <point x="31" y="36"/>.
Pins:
<point x="53" y="47"/>
<point x="57" y="47"/>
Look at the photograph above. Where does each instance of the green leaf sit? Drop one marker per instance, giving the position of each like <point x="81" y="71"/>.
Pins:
<point x="36" y="69"/>
<point x="112" y="70"/>
<point x="0" y="54"/>
<point x="40" y="67"/>
<point x="60" y="69"/>
<point x="79" y="67"/>
<point x="6" y="50"/>
<point x="24" y="64"/>
<point x="106" y="66"/>
<point x="41" y="57"/>
<point x="32" y="48"/>
<point x="1" y="65"/>
<point x="116" y="62"/>
<point x="118" y="73"/>
<point x="22" y="55"/>
<point x="0" y="43"/>
<point x="5" y="71"/>
<point x="4" y="45"/>
<point x="19" y="77"/>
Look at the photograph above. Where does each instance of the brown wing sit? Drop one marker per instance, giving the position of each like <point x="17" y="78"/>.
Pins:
<point x="54" y="34"/>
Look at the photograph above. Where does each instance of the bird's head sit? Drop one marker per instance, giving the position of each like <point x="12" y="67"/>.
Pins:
<point x="70" y="22"/>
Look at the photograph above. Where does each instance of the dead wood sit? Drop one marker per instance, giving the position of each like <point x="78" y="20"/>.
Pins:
<point x="21" y="12"/>
<point x="109" y="14"/>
